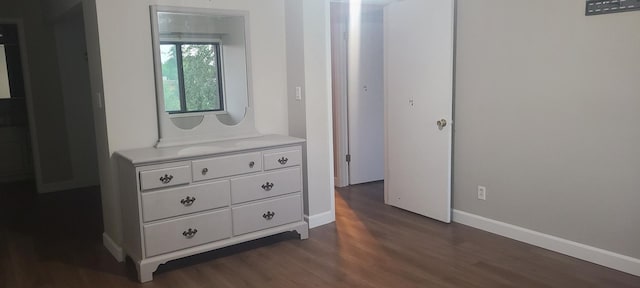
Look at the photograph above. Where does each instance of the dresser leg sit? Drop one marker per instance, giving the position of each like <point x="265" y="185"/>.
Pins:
<point x="304" y="232"/>
<point x="145" y="272"/>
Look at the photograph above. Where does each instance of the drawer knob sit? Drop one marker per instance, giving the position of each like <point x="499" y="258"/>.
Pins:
<point x="204" y="171"/>
<point x="267" y="186"/>
<point x="283" y="160"/>
<point x="269" y="215"/>
<point x="166" y="179"/>
<point x="188" y="201"/>
<point x="189" y="233"/>
<point x="251" y="164"/>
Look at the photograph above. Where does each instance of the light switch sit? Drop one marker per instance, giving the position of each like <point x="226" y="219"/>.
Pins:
<point x="99" y="99"/>
<point x="298" y="93"/>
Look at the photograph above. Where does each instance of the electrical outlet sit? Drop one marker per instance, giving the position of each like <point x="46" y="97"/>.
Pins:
<point x="482" y="193"/>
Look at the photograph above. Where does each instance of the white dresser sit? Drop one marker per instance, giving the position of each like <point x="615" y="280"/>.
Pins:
<point x="185" y="200"/>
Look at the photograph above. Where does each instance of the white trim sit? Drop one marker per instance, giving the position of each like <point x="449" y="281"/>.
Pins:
<point x="332" y="193"/>
<point x="574" y="249"/>
<point x="320" y="219"/>
<point x="339" y="106"/>
<point x="113" y="248"/>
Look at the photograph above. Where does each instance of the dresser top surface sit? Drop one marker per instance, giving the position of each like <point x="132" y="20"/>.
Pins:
<point x="152" y="154"/>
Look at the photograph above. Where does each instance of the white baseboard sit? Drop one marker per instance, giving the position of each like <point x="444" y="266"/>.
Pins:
<point x="320" y="219"/>
<point x="574" y="249"/>
<point x="113" y="248"/>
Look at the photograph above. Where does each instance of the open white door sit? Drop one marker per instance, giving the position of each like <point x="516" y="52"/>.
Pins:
<point x="418" y="54"/>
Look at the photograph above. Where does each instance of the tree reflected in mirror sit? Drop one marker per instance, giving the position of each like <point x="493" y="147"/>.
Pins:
<point x="191" y="81"/>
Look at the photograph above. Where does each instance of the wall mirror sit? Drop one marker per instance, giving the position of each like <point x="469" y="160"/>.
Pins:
<point x="202" y="72"/>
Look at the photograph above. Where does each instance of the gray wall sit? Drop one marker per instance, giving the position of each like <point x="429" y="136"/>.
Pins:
<point x="57" y="8"/>
<point x="76" y="88"/>
<point x="547" y="113"/>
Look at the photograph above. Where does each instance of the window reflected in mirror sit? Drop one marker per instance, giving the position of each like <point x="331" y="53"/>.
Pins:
<point x="191" y="78"/>
<point x="5" y="92"/>
<point x="11" y="78"/>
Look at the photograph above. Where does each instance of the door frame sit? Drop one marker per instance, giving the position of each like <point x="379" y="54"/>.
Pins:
<point x="339" y="59"/>
<point x="33" y="141"/>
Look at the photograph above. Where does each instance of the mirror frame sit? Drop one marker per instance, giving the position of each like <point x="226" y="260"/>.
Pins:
<point x="210" y="127"/>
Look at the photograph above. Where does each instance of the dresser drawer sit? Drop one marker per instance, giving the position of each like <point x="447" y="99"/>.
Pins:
<point x="184" y="200"/>
<point x="226" y="166"/>
<point x="186" y="232"/>
<point x="282" y="159"/>
<point x="266" y="214"/>
<point x="265" y="185"/>
<point x="151" y="179"/>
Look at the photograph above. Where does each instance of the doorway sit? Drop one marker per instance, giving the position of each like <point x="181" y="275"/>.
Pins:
<point x="358" y="93"/>
<point x="15" y="148"/>
<point x="411" y="65"/>
<point x="47" y="122"/>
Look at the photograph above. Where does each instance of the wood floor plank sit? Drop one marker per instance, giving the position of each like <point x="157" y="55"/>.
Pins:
<point x="54" y="240"/>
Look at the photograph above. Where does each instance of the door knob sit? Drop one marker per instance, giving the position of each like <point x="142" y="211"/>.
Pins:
<point x="441" y="124"/>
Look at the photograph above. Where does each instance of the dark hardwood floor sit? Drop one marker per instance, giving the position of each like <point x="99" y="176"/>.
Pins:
<point x="54" y="240"/>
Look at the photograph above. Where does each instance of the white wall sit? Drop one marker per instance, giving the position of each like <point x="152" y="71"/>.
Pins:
<point x="547" y="113"/>
<point x="295" y="78"/>
<point x="308" y="67"/>
<point x="317" y="71"/>
<point x="121" y="63"/>
<point x="110" y="201"/>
